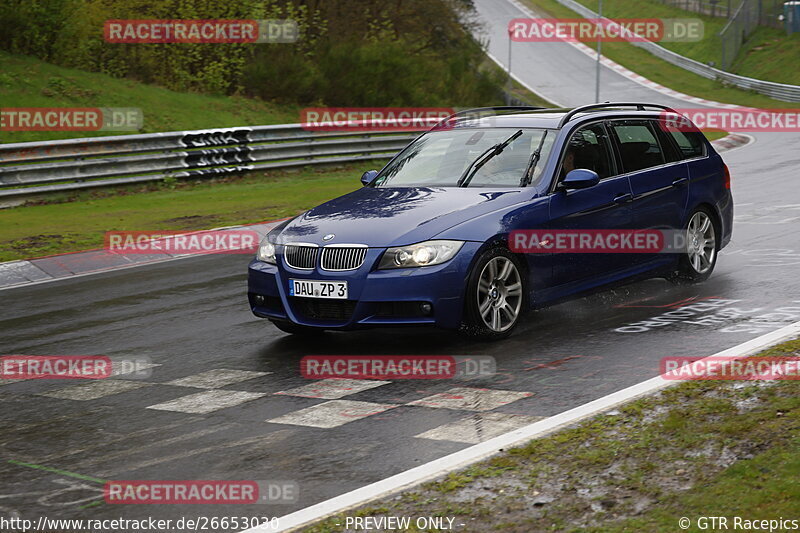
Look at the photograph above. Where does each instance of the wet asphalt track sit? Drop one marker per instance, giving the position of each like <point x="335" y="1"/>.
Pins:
<point x="191" y="316"/>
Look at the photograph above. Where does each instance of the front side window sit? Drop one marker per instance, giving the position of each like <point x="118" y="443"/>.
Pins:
<point x="439" y="158"/>
<point x="638" y="145"/>
<point x="588" y="148"/>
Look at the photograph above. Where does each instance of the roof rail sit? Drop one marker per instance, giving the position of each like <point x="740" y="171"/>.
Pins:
<point x="509" y="108"/>
<point x="582" y="109"/>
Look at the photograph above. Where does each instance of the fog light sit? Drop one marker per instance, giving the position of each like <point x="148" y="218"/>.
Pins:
<point x="425" y="308"/>
<point x="259" y="299"/>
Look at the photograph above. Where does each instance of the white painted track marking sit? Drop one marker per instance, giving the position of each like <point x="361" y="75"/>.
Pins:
<point x="333" y="389"/>
<point x="469" y="399"/>
<point x="479" y="427"/>
<point x="207" y="401"/>
<point x="214" y="379"/>
<point x="332" y="414"/>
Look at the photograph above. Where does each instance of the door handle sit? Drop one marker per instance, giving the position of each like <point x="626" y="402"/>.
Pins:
<point x="680" y="181"/>
<point x="623" y="198"/>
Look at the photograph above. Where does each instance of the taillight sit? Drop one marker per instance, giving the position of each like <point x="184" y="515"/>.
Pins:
<point x="727" y="176"/>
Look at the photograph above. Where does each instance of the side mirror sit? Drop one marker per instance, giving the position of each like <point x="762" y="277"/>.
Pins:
<point x="580" y="178"/>
<point x="368" y="176"/>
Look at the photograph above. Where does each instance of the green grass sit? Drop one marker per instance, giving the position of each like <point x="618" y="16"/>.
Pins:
<point x="518" y="90"/>
<point x="714" y="135"/>
<point x="708" y="448"/>
<point x="28" y="82"/>
<point x="653" y="68"/>
<point x="769" y="54"/>
<point x="80" y="223"/>
<point x="706" y="50"/>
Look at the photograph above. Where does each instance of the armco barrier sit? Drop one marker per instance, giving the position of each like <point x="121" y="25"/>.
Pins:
<point x="35" y="168"/>
<point x="779" y="91"/>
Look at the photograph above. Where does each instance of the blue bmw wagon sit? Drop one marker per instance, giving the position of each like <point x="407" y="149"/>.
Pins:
<point x="425" y="241"/>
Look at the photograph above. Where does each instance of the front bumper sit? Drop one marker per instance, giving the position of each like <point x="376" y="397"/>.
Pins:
<point x="375" y="297"/>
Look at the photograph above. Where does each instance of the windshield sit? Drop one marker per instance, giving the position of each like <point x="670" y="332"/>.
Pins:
<point x="439" y="158"/>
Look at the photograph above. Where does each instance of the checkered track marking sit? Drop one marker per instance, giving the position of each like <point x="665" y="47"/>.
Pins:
<point x="467" y="399"/>
<point x="332" y="414"/>
<point x="207" y="401"/>
<point x="478" y="427"/>
<point x="326" y="415"/>
<point x="214" y="379"/>
<point x="333" y="389"/>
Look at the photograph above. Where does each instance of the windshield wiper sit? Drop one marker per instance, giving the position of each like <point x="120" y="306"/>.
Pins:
<point x="482" y="159"/>
<point x="527" y="177"/>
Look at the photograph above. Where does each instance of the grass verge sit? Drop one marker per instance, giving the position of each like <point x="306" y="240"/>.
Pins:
<point x="28" y="82"/>
<point x="769" y="54"/>
<point x="79" y="221"/>
<point x="659" y="71"/>
<point x="517" y="90"/>
<point x="710" y="448"/>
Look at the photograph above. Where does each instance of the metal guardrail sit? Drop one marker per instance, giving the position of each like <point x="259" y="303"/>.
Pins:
<point x="36" y="168"/>
<point x="778" y="91"/>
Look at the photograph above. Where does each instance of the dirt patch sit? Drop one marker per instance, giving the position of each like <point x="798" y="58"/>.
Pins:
<point x="193" y="221"/>
<point x="34" y="243"/>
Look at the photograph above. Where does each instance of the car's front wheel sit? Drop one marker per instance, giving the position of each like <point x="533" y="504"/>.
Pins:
<point x="698" y="261"/>
<point x="495" y="295"/>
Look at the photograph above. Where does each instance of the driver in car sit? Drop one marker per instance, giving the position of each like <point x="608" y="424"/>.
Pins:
<point x="568" y="164"/>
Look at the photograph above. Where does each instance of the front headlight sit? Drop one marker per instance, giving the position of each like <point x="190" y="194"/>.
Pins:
<point x="266" y="252"/>
<point x="423" y="254"/>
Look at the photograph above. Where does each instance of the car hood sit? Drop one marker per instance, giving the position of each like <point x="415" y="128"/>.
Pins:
<point x="395" y="216"/>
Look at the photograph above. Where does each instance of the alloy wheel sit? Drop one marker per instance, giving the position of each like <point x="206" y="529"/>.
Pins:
<point x="499" y="294"/>
<point x="701" y="242"/>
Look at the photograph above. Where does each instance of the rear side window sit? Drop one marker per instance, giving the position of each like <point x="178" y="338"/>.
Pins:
<point x="690" y="143"/>
<point x="638" y="145"/>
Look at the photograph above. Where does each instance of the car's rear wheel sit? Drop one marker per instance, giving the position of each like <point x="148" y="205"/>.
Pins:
<point x="296" y="329"/>
<point x="698" y="261"/>
<point x="495" y="296"/>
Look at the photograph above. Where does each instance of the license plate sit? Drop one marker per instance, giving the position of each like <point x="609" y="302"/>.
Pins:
<point x="305" y="288"/>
